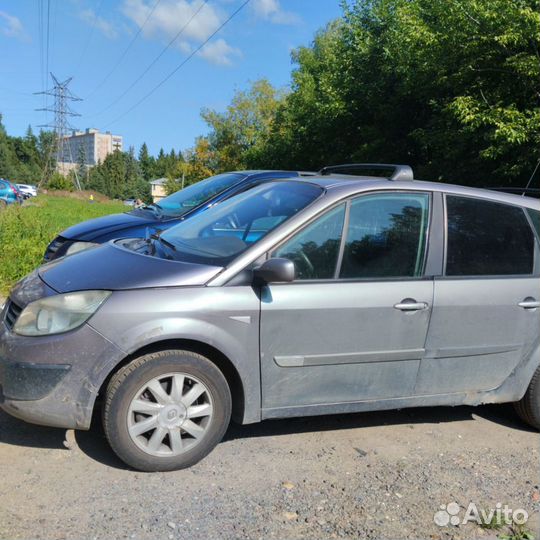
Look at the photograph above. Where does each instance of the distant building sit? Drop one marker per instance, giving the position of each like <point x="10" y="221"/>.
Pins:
<point x="158" y="189"/>
<point x="95" y="147"/>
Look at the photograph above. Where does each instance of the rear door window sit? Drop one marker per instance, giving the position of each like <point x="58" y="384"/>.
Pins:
<point x="486" y="238"/>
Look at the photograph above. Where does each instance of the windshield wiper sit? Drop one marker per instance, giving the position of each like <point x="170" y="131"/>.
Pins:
<point x="154" y="208"/>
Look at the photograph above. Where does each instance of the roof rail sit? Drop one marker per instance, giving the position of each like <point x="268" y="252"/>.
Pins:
<point x="529" y="192"/>
<point x="400" y="172"/>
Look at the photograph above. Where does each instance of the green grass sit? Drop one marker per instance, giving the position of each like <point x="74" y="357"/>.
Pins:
<point x="25" y="231"/>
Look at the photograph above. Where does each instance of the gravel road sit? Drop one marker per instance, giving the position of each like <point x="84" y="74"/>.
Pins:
<point x="370" y="476"/>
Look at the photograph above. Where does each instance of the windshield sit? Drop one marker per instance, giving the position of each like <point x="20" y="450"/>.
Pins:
<point x="192" y="196"/>
<point x="225" y="231"/>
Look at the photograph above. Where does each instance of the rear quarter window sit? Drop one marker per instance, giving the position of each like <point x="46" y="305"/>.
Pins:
<point x="486" y="238"/>
<point x="535" y="219"/>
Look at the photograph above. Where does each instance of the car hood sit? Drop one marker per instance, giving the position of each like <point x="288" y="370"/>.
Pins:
<point x="93" y="228"/>
<point x="113" y="267"/>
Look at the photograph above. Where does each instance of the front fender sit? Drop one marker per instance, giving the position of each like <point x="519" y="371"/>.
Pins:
<point x="225" y="318"/>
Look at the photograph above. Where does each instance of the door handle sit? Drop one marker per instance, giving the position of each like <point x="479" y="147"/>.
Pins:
<point x="529" y="303"/>
<point x="409" y="304"/>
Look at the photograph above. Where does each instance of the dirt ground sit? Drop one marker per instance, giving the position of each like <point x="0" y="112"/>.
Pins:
<point x="375" y="476"/>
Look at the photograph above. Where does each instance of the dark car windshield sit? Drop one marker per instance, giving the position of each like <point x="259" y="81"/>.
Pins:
<point x="183" y="201"/>
<point x="223" y="232"/>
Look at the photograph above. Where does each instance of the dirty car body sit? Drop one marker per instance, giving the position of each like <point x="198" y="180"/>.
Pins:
<point x="406" y="294"/>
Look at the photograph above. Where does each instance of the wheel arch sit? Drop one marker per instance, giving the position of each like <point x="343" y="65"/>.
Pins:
<point x="217" y="357"/>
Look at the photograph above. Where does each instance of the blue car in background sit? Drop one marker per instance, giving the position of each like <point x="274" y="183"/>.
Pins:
<point x="9" y="194"/>
<point x="161" y="215"/>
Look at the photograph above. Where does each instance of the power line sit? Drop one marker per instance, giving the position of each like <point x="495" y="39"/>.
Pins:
<point x="43" y="73"/>
<point x="123" y="55"/>
<point x="183" y="63"/>
<point x="40" y="38"/>
<point x="53" y="30"/>
<point x="154" y="61"/>
<point x="92" y="29"/>
<point x="48" y="34"/>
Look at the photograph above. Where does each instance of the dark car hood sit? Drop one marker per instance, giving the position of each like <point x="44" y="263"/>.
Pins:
<point x="93" y="228"/>
<point x="113" y="267"/>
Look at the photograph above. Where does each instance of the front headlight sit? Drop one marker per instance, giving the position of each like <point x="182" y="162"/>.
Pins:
<point x="80" y="246"/>
<point x="57" y="314"/>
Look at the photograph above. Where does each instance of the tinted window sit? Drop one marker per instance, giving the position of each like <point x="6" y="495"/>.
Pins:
<point x="535" y="218"/>
<point x="386" y="236"/>
<point x="315" y="249"/>
<point x="224" y="231"/>
<point x="487" y="238"/>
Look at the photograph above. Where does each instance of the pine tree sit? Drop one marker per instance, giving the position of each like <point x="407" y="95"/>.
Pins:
<point x="146" y="163"/>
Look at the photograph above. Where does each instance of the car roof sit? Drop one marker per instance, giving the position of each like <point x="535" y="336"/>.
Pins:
<point x="263" y="172"/>
<point x="349" y="185"/>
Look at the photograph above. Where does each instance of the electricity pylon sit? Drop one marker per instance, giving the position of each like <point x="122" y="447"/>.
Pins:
<point x="61" y="126"/>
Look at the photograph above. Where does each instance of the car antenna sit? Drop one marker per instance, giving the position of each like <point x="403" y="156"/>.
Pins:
<point x="531" y="178"/>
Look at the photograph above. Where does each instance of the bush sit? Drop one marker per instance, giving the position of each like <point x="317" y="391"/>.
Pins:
<point x="57" y="181"/>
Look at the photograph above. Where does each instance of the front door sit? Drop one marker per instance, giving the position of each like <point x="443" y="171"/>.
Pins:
<point x="353" y="325"/>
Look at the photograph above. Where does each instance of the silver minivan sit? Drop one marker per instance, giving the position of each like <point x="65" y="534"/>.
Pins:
<point x="304" y="296"/>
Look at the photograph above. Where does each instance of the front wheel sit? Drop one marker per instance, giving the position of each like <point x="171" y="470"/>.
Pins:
<point x="166" y="410"/>
<point x="528" y="408"/>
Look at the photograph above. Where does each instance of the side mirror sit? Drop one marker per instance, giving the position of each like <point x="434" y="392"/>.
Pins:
<point x="275" y="270"/>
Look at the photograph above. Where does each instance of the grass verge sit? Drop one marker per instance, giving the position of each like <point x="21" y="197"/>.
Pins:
<point x="25" y="231"/>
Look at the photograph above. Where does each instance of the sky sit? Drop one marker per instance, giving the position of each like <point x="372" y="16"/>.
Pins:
<point x="122" y="55"/>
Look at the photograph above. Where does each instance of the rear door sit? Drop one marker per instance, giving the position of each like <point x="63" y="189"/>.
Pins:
<point x="485" y="317"/>
<point x="353" y="325"/>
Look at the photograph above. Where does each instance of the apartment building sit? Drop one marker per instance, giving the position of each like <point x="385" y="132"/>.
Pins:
<point x="94" y="145"/>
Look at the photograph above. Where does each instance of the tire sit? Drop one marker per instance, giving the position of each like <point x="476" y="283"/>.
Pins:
<point x="528" y="408"/>
<point x="3" y="204"/>
<point x="137" y="415"/>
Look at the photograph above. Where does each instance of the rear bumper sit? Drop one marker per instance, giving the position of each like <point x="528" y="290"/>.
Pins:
<point x="54" y="380"/>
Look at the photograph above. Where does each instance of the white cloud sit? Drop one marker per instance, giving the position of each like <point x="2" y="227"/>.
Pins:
<point x="270" y="10"/>
<point x="11" y="26"/>
<point x="105" y="27"/>
<point x="219" y="52"/>
<point x="172" y="16"/>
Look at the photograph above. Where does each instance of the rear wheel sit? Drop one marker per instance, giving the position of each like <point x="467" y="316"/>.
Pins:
<point x="166" y="410"/>
<point x="528" y="408"/>
<point x="3" y="204"/>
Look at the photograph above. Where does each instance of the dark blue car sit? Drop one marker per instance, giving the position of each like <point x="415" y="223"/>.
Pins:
<point x="159" y="216"/>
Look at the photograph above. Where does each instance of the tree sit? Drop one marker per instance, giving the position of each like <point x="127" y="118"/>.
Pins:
<point x="146" y="163"/>
<point x="198" y="162"/>
<point x="82" y="168"/>
<point x="448" y="87"/>
<point x="119" y="177"/>
<point x="237" y="134"/>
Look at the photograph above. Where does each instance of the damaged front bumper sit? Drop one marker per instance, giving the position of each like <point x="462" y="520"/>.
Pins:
<point x="54" y="380"/>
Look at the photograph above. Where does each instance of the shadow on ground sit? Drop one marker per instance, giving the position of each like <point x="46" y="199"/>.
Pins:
<point x="94" y="444"/>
